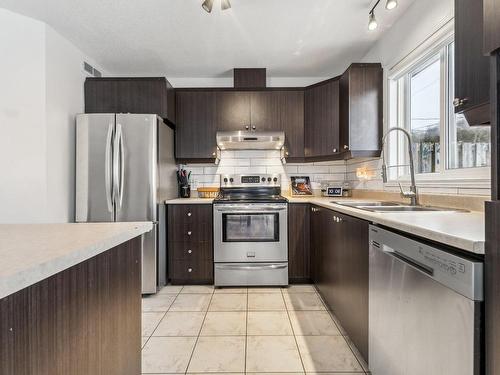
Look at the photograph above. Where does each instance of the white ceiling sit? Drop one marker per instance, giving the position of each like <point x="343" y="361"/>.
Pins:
<point x="177" y="38"/>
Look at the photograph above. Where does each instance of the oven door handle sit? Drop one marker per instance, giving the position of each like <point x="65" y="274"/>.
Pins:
<point x="242" y="210"/>
<point x="252" y="267"/>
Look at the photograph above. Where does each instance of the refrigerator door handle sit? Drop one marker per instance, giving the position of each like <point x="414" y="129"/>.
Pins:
<point x="109" y="168"/>
<point x="122" y="168"/>
<point x="116" y="168"/>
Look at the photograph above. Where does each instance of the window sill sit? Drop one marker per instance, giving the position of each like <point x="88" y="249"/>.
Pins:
<point x="469" y="183"/>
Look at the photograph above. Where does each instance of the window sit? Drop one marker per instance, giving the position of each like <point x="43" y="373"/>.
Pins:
<point x="421" y="100"/>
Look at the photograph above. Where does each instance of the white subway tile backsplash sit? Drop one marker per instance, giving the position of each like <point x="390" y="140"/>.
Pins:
<point x="209" y="170"/>
<point x="269" y="162"/>
<point x="266" y="162"/>
<point x="328" y="177"/>
<point x="338" y="169"/>
<point x="314" y="169"/>
<point x="275" y="169"/>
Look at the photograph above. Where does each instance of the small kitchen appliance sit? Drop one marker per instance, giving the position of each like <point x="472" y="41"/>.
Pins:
<point x="250" y="231"/>
<point x="333" y="191"/>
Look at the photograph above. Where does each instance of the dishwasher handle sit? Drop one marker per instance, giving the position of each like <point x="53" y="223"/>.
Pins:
<point x="411" y="262"/>
<point x="462" y="274"/>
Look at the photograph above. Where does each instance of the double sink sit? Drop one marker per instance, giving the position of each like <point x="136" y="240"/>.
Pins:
<point x="380" y="206"/>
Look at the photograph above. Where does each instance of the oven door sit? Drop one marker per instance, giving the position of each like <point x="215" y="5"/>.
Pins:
<point x="255" y="232"/>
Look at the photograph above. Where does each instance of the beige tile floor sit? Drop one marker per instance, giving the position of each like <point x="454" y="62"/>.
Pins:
<point x="199" y="329"/>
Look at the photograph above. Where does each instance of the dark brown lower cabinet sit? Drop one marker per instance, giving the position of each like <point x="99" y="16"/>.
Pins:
<point x="340" y="255"/>
<point x="84" y="320"/>
<point x="299" y="257"/>
<point x="190" y="244"/>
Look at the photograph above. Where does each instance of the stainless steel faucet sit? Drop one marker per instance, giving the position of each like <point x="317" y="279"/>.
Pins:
<point x="413" y="193"/>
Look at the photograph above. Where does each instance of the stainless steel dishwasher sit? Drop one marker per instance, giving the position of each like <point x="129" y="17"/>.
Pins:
<point x="425" y="308"/>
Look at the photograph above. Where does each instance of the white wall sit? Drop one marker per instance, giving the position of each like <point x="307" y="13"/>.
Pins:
<point x="22" y="119"/>
<point x="41" y="91"/>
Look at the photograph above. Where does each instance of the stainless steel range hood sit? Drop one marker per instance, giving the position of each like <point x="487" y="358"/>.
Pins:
<point x="248" y="140"/>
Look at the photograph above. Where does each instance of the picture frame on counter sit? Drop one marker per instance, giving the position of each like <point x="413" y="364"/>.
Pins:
<point x="300" y="186"/>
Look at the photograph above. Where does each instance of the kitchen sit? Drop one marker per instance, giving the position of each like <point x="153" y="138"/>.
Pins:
<point x="185" y="190"/>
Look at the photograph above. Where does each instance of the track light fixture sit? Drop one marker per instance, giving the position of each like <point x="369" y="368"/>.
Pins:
<point x="372" y="21"/>
<point x="209" y="4"/>
<point x="391" y="4"/>
<point x="225" y="4"/>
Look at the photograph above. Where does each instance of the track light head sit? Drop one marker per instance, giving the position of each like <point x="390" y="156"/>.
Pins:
<point x="225" y="4"/>
<point x="372" y="21"/>
<point x="208" y="5"/>
<point x="391" y="4"/>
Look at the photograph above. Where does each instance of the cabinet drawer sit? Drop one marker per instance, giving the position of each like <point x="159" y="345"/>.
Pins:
<point x="185" y="271"/>
<point x="190" y="251"/>
<point x="199" y="232"/>
<point x="182" y="214"/>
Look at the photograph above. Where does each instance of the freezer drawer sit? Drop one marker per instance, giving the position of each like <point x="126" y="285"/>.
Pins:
<point x="251" y="274"/>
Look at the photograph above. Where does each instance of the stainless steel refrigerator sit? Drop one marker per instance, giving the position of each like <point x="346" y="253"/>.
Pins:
<point x="125" y="170"/>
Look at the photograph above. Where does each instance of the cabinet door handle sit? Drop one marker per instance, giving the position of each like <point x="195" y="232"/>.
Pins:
<point x="457" y="102"/>
<point x="190" y="251"/>
<point x="253" y="127"/>
<point x="334" y="150"/>
<point x="189" y="233"/>
<point x="189" y="213"/>
<point x="214" y="154"/>
<point x="346" y="147"/>
<point x="247" y="127"/>
<point x="190" y="270"/>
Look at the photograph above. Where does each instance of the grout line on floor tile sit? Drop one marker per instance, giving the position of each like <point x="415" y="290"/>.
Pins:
<point x="293" y="331"/>
<point x="199" y="333"/>
<point x="346" y="338"/>
<point x="246" y="335"/>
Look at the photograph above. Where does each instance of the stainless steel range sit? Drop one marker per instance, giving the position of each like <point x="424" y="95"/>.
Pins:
<point x="251" y="231"/>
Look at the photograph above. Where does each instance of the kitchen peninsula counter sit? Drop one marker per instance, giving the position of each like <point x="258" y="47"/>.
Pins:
<point x="70" y="298"/>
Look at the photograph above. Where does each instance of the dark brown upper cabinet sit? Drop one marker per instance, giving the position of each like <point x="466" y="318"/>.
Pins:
<point x="491" y="27"/>
<point x="265" y="110"/>
<point x="361" y="97"/>
<point x="281" y="110"/>
<point x="472" y="68"/>
<point x="233" y="110"/>
<point x="130" y="95"/>
<point x="322" y="120"/>
<point x="196" y="125"/>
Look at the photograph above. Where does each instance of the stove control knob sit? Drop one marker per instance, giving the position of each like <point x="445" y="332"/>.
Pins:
<point x="263" y="179"/>
<point x="225" y="180"/>
<point x="269" y="179"/>
<point x="231" y="180"/>
<point x="275" y="179"/>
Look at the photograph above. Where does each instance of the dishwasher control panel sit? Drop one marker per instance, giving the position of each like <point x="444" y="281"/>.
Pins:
<point x="461" y="274"/>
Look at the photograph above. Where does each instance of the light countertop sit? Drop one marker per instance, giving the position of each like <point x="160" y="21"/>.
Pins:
<point x="190" y="201"/>
<point x="30" y="253"/>
<point x="463" y="230"/>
